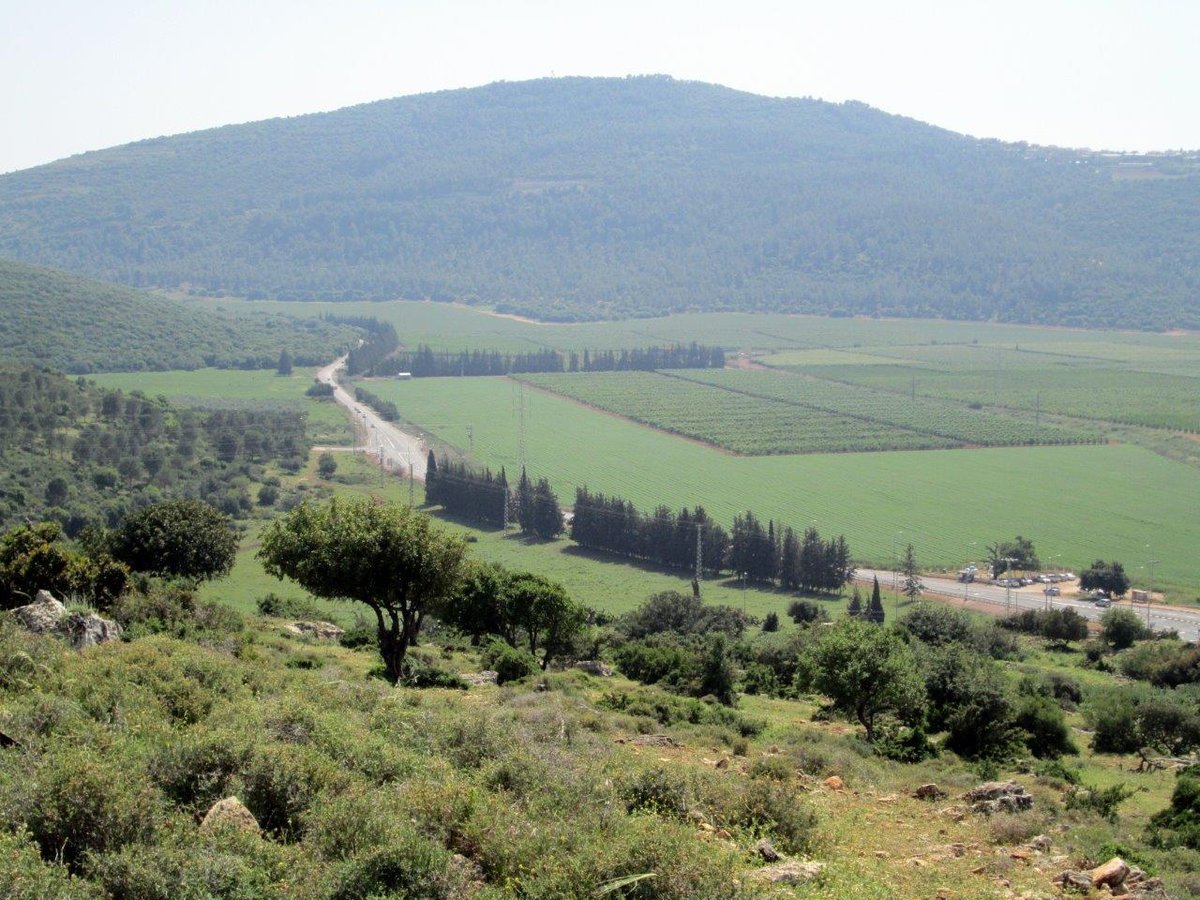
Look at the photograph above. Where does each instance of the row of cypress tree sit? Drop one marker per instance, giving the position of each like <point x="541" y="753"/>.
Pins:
<point x="425" y="362"/>
<point x="483" y="496"/>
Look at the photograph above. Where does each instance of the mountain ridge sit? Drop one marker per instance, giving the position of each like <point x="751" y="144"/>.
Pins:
<point x="599" y="198"/>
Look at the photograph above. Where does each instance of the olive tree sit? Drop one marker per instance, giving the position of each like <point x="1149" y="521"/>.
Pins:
<point x="866" y="671"/>
<point x="181" y="538"/>
<point x="388" y="557"/>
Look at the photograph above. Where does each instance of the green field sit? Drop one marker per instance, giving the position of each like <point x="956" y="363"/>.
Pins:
<point x="757" y="412"/>
<point x="453" y="326"/>
<point x="1075" y="503"/>
<point x="744" y="424"/>
<point x="327" y="422"/>
<point x="599" y="581"/>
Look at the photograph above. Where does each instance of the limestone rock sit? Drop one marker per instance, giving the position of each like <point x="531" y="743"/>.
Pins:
<point x="321" y="631"/>
<point x="1041" y="843"/>
<point x="42" y="615"/>
<point x="835" y="783"/>
<point x="477" y="679"/>
<point x="928" y="792"/>
<point x="229" y="813"/>
<point x="767" y="851"/>
<point x="790" y="872"/>
<point x="88" y="630"/>
<point x="1111" y="873"/>
<point x="999" y="796"/>
<point x="594" y="667"/>
<point x="1075" y="881"/>
<point x="45" y="615"/>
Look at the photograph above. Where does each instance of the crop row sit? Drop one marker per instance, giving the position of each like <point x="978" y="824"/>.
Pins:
<point x="743" y="424"/>
<point x="954" y="422"/>
<point x="1110" y="395"/>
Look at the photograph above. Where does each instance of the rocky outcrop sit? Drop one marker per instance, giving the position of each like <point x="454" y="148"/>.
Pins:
<point x="46" y="615"/>
<point x="928" y="792"/>
<point x="793" y="871"/>
<point x="1115" y="878"/>
<point x="594" y="667"/>
<point x="229" y="813"/>
<point x="86" y="630"/>
<point x="999" y="796"/>
<point x="42" y="615"/>
<point x="321" y="631"/>
<point x="478" y="679"/>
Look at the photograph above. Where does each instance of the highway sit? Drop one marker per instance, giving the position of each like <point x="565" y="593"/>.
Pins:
<point x="1185" y="620"/>
<point x="398" y="450"/>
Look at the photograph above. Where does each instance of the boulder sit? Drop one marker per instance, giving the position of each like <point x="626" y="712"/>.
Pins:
<point x="928" y="792"/>
<point x="1111" y="873"/>
<point x="321" y="631"/>
<point x="835" y="783"/>
<point x="1041" y="844"/>
<point x="42" y="615"/>
<point x="478" y="679"/>
<point x="1075" y="881"/>
<point x="999" y="796"/>
<point x="594" y="667"/>
<point x="229" y="813"/>
<point x="767" y="851"/>
<point x="45" y="615"/>
<point x="88" y="630"/>
<point x="791" y="872"/>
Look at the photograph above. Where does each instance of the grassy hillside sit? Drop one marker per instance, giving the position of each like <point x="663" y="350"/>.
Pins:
<point x="586" y="198"/>
<point x="79" y="325"/>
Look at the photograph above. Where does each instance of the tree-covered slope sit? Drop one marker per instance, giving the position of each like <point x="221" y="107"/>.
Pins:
<point x="80" y="325"/>
<point x="583" y="198"/>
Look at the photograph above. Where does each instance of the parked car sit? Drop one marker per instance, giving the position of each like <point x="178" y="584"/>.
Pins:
<point x="1103" y="602"/>
<point x="1053" y="591"/>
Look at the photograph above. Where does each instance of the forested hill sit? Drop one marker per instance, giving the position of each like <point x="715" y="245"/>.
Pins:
<point x="79" y="325"/>
<point x="584" y="198"/>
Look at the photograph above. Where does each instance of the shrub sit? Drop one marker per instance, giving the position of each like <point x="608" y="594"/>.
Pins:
<point x="24" y="874"/>
<point x="1121" y="627"/>
<point x="1179" y="824"/>
<point x="771" y="622"/>
<point x="411" y="866"/>
<point x="79" y="802"/>
<point x="282" y="781"/>
<point x="1045" y="731"/>
<point x="508" y="662"/>
<point x="271" y="604"/>
<point x="1102" y="802"/>
<point x="805" y="612"/>
<point x="657" y="790"/>
<point x="674" y="611"/>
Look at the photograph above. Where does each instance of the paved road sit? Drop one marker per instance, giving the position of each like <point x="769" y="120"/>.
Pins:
<point x="399" y="450"/>
<point x="1185" y="621"/>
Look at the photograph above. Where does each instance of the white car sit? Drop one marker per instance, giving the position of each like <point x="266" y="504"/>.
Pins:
<point x="1103" y="602"/>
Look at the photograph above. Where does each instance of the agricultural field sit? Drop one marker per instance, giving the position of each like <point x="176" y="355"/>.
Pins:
<point x="597" y="580"/>
<point x="230" y="388"/>
<point x="448" y="326"/>
<point x="885" y="411"/>
<point x="1103" y="390"/>
<point x="735" y="421"/>
<point x="1076" y="503"/>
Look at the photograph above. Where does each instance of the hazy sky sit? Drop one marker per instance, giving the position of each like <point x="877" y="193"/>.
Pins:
<point x="88" y="74"/>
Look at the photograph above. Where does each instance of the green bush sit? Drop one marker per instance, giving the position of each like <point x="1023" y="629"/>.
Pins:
<point x="1045" y="730"/>
<point x="78" y="801"/>
<point x="508" y="662"/>
<point x="281" y="782"/>
<point x="24" y="874"/>
<point x="1102" y="802"/>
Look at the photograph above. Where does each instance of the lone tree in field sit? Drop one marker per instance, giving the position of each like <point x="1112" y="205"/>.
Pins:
<point x="284" y="367"/>
<point x="181" y="538"/>
<point x="389" y="557"/>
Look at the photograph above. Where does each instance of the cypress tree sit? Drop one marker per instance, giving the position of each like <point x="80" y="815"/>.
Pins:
<point x="875" y="610"/>
<point x="855" y="609"/>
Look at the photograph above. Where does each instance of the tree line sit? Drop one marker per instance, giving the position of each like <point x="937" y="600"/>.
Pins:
<point x="772" y="554"/>
<point x="425" y="362"/>
<point x="380" y="342"/>
<point x="386" y="408"/>
<point x="483" y="496"/>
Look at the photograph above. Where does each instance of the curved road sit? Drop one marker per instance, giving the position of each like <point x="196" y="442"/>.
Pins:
<point x="398" y="450"/>
<point x="1185" y="620"/>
